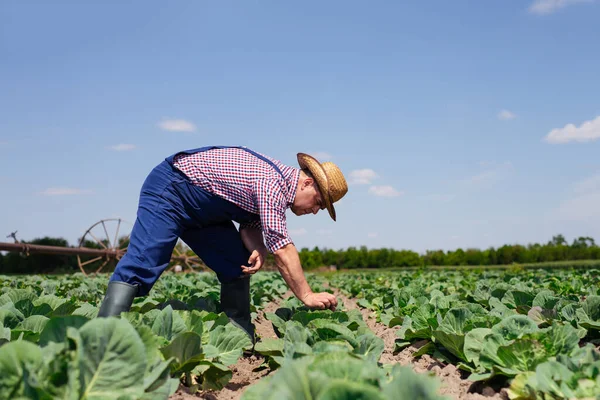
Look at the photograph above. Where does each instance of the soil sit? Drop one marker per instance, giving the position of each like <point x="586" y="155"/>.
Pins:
<point x="454" y="385"/>
<point x="243" y="371"/>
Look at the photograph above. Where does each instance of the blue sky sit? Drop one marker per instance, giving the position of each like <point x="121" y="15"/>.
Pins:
<point x="457" y="124"/>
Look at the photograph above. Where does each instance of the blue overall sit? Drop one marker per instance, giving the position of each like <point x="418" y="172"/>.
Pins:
<point x="171" y="207"/>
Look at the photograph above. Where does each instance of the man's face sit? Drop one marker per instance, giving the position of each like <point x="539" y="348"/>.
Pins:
<point x="308" y="198"/>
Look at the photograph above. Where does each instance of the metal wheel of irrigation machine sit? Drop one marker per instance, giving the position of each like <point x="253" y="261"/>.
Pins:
<point x="100" y="246"/>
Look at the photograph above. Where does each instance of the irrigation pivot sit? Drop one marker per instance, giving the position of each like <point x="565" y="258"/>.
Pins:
<point x="99" y="246"/>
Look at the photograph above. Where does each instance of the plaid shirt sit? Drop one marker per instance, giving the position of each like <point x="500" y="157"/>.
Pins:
<point x="250" y="183"/>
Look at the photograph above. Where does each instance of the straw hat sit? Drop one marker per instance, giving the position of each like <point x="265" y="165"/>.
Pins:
<point x="329" y="178"/>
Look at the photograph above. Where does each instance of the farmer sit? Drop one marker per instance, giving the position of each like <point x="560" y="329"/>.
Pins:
<point x="196" y="195"/>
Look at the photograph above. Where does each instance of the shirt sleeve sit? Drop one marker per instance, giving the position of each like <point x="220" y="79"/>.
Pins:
<point x="272" y="206"/>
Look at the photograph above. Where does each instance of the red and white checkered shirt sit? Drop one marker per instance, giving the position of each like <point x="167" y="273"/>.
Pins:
<point x="249" y="182"/>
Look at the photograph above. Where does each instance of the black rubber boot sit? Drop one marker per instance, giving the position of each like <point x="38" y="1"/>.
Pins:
<point x="119" y="297"/>
<point x="235" y="303"/>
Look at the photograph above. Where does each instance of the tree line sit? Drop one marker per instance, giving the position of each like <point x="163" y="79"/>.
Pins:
<point x="557" y="249"/>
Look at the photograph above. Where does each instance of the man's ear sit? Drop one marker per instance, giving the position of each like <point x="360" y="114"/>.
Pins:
<point x="308" y="182"/>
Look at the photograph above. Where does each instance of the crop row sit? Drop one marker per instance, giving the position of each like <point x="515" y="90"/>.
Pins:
<point x="536" y="330"/>
<point x="53" y="346"/>
<point x="331" y="355"/>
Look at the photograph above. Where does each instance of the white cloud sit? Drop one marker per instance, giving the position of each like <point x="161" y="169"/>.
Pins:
<point x="177" y="125"/>
<point x="122" y="147"/>
<point x="586" y="132"/>
<point x="384" y="191"/>
<point x="542" y="7"/>
<point x="372" y="234"/>
<point x="64" y="191"/>
<point x="362" y="176"/>
<point x="321" y="156"/>
<point x="300" y="231"/>
<point x="506" y="115"/>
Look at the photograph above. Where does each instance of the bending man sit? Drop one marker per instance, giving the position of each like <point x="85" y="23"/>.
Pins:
<point x="196" y="195"/>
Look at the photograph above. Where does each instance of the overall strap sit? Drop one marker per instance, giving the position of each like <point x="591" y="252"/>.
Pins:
<point x="264" y="159"/>
<point x="200" y="149"/>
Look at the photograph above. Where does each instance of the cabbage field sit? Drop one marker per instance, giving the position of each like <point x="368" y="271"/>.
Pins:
<point x="410" y="334"/>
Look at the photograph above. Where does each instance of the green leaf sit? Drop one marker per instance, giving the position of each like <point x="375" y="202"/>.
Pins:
<point x="4" y="334"/>
<point x="186" y="350"/>
<point x="331" y="346"/>
<point x="545" y="299"/>
<point x="589" y="314"/>
<point x="516" y="298"/>
<point x="549" y="376"/>
<point x="474" y="342"/>
<point x="520" y="356"/>
<point x="64" y="309"/>
<point x="304" y="317"/>
<point x="407" y="384"/>
<point x="278" y="323"/>
<point x="212" y="375"/>
<point x="515" y="326"/>
<point x="56" y="328"/>
<point x="451" y="332"/>
<point x="370" y="346"/>
<point x="111" y="359"/>
<point x="346" y="366"/>
<point x="86" y="310"/>
<point x="269" y="347"/>
<point x="16" y="295"/>
<point x="193" y="321"/>
<point x="50" y="300"/>
<point x="19" y="363"/>
<point x="419" y="325"/>
<point x="348" y="390"/>
<point x="165" y="391"/>
<point x="10" y="316"/>
<point x="326" y="329"/>
<point x="166" y="325"/>
<point x="34" y="323"/>
<point x="291" y="382"/>
<point x="560" y="339"/>
<point x="157" y="375"/>
<point x="591" y="306"/>
<point x="228" y="343"/>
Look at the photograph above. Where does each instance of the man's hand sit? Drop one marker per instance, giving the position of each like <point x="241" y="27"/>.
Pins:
<point x="288" y="262"/>
<point x="321" y="301"/>
<point x="253" y="241"/>
<point x="256" y="260"/>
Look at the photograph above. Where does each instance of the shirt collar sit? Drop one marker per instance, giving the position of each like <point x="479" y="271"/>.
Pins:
<point x="291" y="182"/>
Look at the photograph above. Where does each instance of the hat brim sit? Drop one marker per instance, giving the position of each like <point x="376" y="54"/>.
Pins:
<point x="318" y="172"/>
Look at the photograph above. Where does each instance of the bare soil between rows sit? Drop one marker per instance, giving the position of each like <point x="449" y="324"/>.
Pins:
<point x="454" y="385"/>
<point x="243" y="371"/>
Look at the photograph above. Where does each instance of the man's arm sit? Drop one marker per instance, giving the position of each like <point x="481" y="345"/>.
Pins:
<point x="288" y="262"/>
<point x="253" y="241"/>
